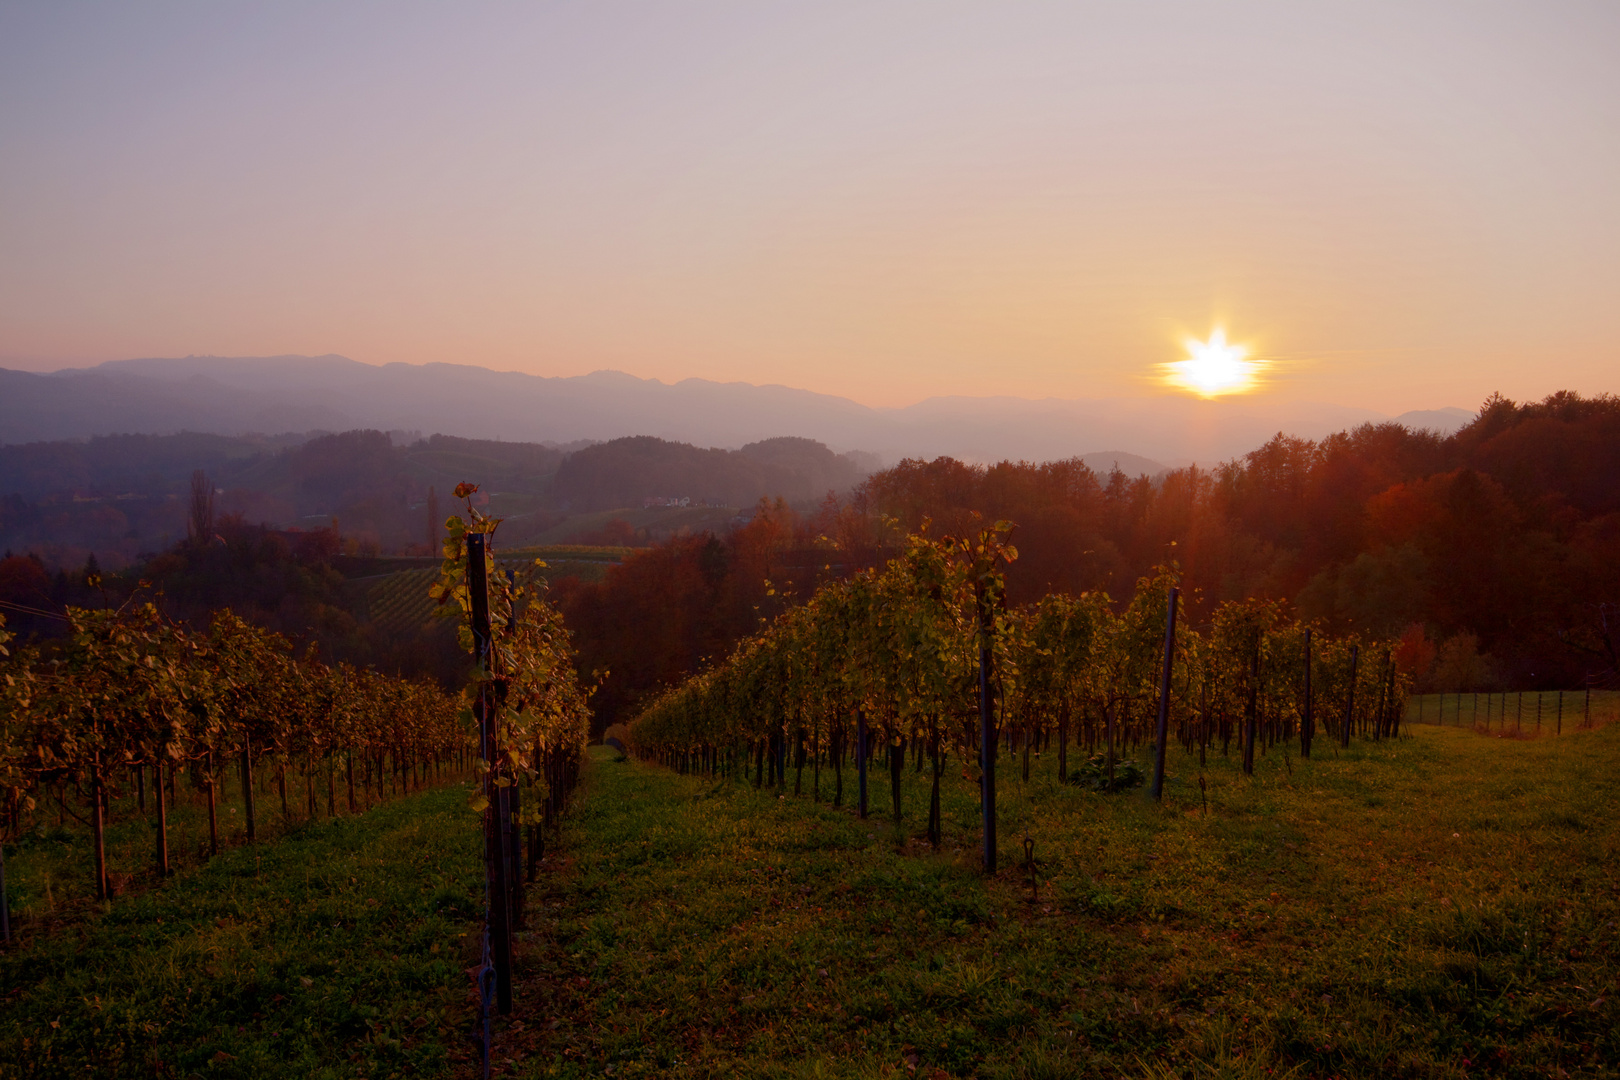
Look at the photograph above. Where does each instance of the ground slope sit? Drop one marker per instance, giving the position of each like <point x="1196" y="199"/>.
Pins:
<point x="337" y="951"/>
<point x="1442" y="905"/>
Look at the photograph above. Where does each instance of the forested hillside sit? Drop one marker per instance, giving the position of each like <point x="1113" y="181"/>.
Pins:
<point x="626" y="472"/>
<point x="124" y="495"/>
<point x="1496" y="549"/>
<point x="119" y="497"/>
<point x="1507" y="531"/>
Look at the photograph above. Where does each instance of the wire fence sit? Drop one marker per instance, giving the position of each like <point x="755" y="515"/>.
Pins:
<point x="1517" y="713"/>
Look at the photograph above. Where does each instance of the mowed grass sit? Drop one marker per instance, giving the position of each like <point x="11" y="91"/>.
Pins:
<point x="335" y="951"/>
<point x="50" y="868"/>
<point x="1442" y="905"/>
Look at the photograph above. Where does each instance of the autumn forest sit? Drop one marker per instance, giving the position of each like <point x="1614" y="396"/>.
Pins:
<point x="1497" y="548"/>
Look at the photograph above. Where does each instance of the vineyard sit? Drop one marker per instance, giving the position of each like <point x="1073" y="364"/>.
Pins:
<point x="1438" y="904"/>
<point x="397" y="604"/>
<point x="138" y="728"/>
<point x="132" y="707"/>
<point x="702" y="922"/>
<point x="1330" y="878"/>
<point x="532" y="721"/>
<point x="923" y="659"/>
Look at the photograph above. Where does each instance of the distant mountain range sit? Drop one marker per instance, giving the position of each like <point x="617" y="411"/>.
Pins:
<point x="270" y="395"/>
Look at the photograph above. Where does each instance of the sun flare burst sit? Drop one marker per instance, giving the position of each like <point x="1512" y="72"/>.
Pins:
<point x="1213" y="367"/>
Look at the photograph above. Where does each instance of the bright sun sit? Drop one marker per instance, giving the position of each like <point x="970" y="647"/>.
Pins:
<point x="1213" y="367"/>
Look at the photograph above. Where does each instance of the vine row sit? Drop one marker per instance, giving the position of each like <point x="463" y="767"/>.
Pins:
<point x="128" y="695"/>
<point x="923" y="656"/>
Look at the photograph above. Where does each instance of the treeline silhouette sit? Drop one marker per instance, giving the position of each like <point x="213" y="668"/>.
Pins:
<point x="121" y="497"/>
<point x="282" y="524"/>
<point x="124" y="496"/>
<point x="625" y="472"/>
<point x="1495" y="551"/>
<point x="660" y="614"/>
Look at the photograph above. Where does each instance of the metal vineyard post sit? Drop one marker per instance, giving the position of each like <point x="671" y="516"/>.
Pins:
<point x="987" y="734"/>
<point x="1251" y="713"/>
<point x="860" y="756"/>
<point x="1307" y="728"/>
<point x="484" y="710"/>
<point x="1350" y="699"/>
<point x="5" y="904"/>
<point x="1164" y="693"/>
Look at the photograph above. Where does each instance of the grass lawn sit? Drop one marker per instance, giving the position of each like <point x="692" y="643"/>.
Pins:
<point x="1440" y="905"/>
<point x="336" y="951"/>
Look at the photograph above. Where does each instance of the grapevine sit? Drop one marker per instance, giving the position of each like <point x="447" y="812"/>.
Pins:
<point x="128" y="694"/>
<point x="892" y="655"/>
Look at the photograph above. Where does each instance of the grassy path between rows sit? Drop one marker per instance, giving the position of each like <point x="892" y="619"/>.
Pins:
<point x="1443" y="905"/>
<point x="1439" y="906"/>
<point x="337" y="951"/>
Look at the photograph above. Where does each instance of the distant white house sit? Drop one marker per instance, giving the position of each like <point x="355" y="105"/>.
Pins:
<point x="660" y="500"/>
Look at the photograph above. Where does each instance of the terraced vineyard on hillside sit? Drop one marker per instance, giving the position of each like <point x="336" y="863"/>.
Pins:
<point x="397" y="603"/>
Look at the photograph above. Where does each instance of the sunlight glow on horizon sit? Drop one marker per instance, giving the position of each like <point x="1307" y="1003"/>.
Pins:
<point x="887" y="203"/>
<point x="1213" y="368"/>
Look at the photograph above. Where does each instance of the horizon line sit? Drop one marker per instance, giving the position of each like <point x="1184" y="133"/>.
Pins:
<point x="1227" y="401"/>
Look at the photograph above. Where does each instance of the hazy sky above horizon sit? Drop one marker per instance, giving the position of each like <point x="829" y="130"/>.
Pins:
<point x="1402" y="205"/>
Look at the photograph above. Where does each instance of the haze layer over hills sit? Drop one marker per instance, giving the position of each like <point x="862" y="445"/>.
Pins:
<point x="233" y="396"/>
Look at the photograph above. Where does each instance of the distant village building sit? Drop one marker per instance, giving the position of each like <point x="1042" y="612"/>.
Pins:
<point x="660" y="500"/>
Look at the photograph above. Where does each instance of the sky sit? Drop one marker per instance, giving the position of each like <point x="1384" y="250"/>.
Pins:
<point x="1392" y="205"/>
